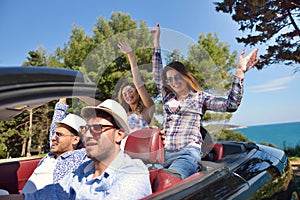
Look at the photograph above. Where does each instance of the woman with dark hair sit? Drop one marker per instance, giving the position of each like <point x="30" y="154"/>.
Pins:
<point x="134" y="96"/>
<point x="184" y="105"/>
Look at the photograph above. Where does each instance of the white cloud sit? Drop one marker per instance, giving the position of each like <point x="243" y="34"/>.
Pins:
<point x="273" y="85"/>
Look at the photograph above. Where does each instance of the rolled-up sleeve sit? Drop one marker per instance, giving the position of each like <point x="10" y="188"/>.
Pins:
<point x="157" y="68"/>
<point x="232" y="102"/>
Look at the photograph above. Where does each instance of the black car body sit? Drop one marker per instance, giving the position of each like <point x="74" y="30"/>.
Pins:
<point x="230" y="170"/>
<point x="246" y="171"/>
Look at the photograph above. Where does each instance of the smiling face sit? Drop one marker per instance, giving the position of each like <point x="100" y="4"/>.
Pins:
<point x="130" y="95"/>
<point x="175" y="80"/>
<point x="63" y="141"/>
<point x="102" y="139"/>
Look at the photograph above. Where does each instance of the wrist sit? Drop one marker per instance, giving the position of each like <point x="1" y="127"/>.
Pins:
<point x="129" y="53"/>
<point x="240" y="74"/>
<point x="156" y="43"/>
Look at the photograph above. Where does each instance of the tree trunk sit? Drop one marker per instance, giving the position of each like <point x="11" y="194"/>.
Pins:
<point x="23" y="153"/>
<point x="30" y="134"/>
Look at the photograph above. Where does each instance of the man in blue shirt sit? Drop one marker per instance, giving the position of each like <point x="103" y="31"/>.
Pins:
<point x="66" y="152"/>
<point x="110" y="174"/>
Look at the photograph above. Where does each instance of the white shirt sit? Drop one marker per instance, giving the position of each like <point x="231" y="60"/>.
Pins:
<point x="41" y="176"/>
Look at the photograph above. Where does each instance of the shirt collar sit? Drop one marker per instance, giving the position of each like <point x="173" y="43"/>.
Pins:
<point x="173" y="95"/>
<point x="65" y="155"/>
<point x="116" y="164"/>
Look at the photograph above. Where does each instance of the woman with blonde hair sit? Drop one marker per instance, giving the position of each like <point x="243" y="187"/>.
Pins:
<point x="139" y="114"/>
<point x="134" y="97"/>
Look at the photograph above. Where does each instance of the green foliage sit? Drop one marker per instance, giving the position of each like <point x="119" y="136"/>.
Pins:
<point x="35" y="58"/>
<point x="229" y="135"/>
<point x="106" y="65"/>
<point x="274" y="23"/>
<point x="10" y="140"/>
<point x="292" y="151"/>
<point x="268" y="144"/>
<point x="13" y="132"/>
<point x="75" y="51"/>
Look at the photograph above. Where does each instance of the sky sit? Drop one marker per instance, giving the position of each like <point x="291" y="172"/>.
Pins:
<point x="271" y="95"/>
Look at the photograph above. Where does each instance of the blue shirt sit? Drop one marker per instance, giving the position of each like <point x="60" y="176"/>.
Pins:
<point x="124" y="178"/>
<point x="68" y="161"/>
<point x="136" y="122"/>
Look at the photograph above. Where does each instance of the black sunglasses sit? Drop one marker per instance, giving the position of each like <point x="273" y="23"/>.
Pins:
<point x="59" y="134"/>
<point x="176" y="78"/>
<point x="95" y="129"/>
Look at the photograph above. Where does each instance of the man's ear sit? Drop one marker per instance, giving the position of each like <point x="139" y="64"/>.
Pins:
<point x="120" y="134"/>
<point x="76" y="140"/>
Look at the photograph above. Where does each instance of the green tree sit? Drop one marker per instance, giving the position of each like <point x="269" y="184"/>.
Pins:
<point x="274" y="23"/>
<point x="34" y="131"/>
<point x="232" y="136"/>
<point x="105" y="64"/>
<point x="11" y="138"/>
<point x="36" y="58"/>
<point x="74" y="52"/>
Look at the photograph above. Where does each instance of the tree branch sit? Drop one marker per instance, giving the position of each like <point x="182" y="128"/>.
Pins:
<point x="290" y="15"/>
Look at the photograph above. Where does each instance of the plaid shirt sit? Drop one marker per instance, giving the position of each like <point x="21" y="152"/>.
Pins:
<point x="182" y="125"/>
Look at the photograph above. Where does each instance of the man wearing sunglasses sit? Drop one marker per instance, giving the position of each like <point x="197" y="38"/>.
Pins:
<point x="109" y="174"/>
<point x="66" y="152"/>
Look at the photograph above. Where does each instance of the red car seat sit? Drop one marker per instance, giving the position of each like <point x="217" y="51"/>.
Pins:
<point x="147" y="145"/>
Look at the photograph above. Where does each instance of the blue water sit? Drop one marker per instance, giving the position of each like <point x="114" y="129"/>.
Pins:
<point x="277" y="134"/>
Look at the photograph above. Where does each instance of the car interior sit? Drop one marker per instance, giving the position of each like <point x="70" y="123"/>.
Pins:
<point x="147" y="145"/>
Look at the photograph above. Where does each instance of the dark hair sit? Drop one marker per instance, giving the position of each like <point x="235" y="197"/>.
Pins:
<point x="74" y="132"/>
<point x="187" y="76"/>
<point x="109" y="117"/>
<point x="140" y="107"/>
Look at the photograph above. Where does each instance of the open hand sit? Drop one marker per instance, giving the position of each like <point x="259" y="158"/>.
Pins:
<point x="245" y="64"/>
<point x="156" y="34"/>
<point x="124" y="47"/>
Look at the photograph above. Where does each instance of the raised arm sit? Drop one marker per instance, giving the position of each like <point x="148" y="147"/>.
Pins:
<point x="137" y="80"/>
<point x="156" y="58"/>
<point x="156" y="35"/>
<point x="245" y="64"/>
<point x="233" y="101"/>
<point x="60" y="112"/>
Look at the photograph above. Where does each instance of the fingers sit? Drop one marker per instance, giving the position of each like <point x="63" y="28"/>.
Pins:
<point x="251" y="59"/>
<point x="243" y="53"/>
<point x="124" y="47"/>
<point x="157" y="30"/>
<point x="63" y="100"/>
<point x="122" y="43"/>
<point x="153" y="31"/>
<point x="252" y="54"/>
<point x="252" y="64"/>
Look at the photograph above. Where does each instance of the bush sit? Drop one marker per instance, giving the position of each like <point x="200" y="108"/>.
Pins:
<point x="292" y="151"/>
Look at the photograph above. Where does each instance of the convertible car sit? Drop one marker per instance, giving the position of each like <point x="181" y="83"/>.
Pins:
<point x="228" y="169"/>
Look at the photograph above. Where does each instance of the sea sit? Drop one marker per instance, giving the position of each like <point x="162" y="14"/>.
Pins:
<point x="281" y="135"/>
